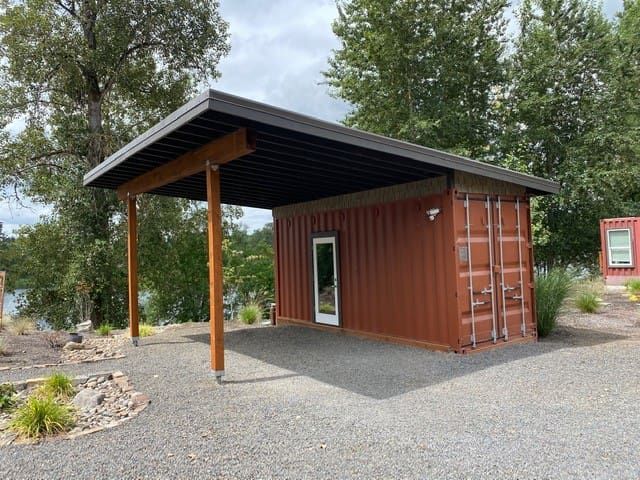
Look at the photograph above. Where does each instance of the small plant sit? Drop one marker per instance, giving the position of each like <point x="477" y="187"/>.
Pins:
<point x="57" y="385"/>
<point x="146" y="330"/>
<point x="56" y="339"/>
<point x="7" y="396"/>
<point x="40" y="416"/>
<point x="551" y="290"/>
<point x="250" y="313"/>
<point x="587" y="302"/>
<point x="104" y="330"/>
<point x="22" y="325"/>
<point x="633" y="286"/>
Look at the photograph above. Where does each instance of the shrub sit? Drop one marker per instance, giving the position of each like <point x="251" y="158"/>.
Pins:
<point x="587" y="302"/>
<point x="633" y="286"/>
<point x="104" y="330"/>
<point x="22" y="325"/>
<point x="57" y="385"/>
<point x="146" y="330"/>
<point x="40" y="416"/>
<point x="551" y="291"/>
<point x="250" y="313"/>
<point x="7" y="396"/>
<point x="56" y="339"/>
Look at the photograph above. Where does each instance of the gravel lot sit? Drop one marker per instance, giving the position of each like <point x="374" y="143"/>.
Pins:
<point x="299" y="403"/>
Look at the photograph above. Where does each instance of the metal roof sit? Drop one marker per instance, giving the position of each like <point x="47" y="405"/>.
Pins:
<point x="298" y="158"/>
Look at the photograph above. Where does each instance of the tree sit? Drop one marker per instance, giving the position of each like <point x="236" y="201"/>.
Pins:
<point x="174" y="261"/>
<point x="562" y="122"/>
<point x="421" y="71"/>
<point x="84" y="78"/>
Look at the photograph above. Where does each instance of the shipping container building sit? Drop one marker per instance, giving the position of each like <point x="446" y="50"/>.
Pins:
<point x="620" y="249"/>
<point x="373" y="236"/>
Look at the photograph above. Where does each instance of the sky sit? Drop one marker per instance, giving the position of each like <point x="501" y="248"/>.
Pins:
<point x="279" y="49"/>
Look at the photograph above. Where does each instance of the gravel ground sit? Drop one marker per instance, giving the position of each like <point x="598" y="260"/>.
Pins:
<point x="299" y="403"/>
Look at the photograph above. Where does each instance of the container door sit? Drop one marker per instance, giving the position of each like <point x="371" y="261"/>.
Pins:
<point x="476" y="280"/>
<point x="512" y="268"/>
<point x="325" y="280"/>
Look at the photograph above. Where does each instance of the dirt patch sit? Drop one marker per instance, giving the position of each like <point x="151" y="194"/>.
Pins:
<point x="34" y="350"/>
<point x="617" y="316"/>
<point x="30" y="349"/>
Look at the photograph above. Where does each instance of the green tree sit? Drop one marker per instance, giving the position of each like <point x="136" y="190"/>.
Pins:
<point x="248" y="267"/>
<point x="84" y="78"/>
<point x="562" y="122"/>
<point x="174" y="261"/>
<point x="421" y="71"/>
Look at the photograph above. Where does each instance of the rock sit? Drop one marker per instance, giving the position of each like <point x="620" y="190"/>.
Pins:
<point x="84" y="326"/>
<point x="73" y="346"/>
<point x="117" y="374"/>
<point x="88" y="399"/>
<point x="100" y="380"/>
<point x="79" y="380"/>
<point x="139" y="399"/>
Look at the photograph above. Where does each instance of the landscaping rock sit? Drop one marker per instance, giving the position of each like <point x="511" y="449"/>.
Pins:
<point x="139" y="399"/>
<point x="88" y="398"/>
<point x="84" y="326"/>
<point x="74" y="346"/>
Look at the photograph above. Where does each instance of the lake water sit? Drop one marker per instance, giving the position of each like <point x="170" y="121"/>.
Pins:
<point x="10" y="301"/>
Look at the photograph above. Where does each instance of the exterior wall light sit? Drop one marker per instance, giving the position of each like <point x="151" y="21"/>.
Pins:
<point x="432" y="213"/>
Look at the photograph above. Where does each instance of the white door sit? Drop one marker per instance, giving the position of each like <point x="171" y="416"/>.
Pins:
<point x="325" y="281"/>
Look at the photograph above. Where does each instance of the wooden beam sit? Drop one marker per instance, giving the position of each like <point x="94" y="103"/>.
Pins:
<point x="216" y="319"/>
<point x="132" y="264"/>
<point x="219" y="151"/>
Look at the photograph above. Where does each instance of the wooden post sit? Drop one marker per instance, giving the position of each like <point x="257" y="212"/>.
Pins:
<point x="132" y="259"/>
<point x="216" y="319"/>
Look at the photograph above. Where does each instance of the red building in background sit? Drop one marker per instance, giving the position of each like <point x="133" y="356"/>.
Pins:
<point x="620" y="251"/>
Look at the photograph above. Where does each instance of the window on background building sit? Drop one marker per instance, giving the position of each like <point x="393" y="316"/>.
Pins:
<point x="619" y="243"/>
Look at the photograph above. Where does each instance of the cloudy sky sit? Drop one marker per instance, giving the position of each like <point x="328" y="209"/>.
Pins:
<point x="278" y="50"/>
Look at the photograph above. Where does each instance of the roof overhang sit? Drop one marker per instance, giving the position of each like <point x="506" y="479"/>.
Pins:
<point x="296" y="159"/>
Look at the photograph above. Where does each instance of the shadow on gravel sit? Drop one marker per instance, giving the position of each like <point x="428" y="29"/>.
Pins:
<point x="380" y="370"/>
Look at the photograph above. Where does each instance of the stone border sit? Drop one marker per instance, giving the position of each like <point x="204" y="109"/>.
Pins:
<point x="139" y="399"/>
<point x="49" y="365"/>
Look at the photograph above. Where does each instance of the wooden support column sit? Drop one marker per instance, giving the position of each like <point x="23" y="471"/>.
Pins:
<point x="132" y="259"/>
<point x="216" y="312"/>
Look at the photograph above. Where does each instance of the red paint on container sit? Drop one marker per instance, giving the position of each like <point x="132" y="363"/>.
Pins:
<point x="404" y="277"/>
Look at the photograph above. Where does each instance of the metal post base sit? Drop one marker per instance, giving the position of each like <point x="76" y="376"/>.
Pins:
<point x="218" y="374"/>
<point x="134" y="340"/>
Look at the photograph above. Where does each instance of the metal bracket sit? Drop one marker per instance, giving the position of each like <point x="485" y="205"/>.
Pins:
<point x="218" y="374"/>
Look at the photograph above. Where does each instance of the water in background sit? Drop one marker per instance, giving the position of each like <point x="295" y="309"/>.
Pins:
<point x="10" y="301"/>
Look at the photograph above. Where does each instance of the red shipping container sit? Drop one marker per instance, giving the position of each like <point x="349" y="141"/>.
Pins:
<point x="620" y="243"/>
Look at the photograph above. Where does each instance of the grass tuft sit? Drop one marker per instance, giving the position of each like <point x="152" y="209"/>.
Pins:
<point x="250" y="313"/>
<point x="7" y="396"/>
<point x="587" y="302"/>
<point x="146" y="330"/>
<point x="57" y="385"/>
<point x="22" y="325"/>
<point x="551" y="289"/>
<point x="633" y="286"/>
<point x="40" y="416"/>
<point x="104" y="330"/>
